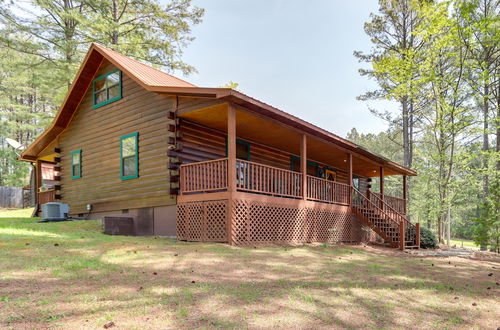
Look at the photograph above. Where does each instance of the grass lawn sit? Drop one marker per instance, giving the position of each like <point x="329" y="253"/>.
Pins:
<point x="466" y="243"/>
<point x="69" y="275"/>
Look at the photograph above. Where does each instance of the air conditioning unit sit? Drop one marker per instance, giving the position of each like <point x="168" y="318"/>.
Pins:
<point x="53" y="211"/>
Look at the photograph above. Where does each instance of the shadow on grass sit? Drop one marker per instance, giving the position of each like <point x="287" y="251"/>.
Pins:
<point x="88" y="274"/>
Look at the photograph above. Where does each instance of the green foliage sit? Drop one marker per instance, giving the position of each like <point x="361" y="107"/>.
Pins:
<point x="427" y="239"/>
<point x="386" y="145"/>
<point x="439" y="61"/>
<point x="26" y="106"/>
<point x="144" y="29"/>
<point x="43" y="42"/>
<point x="230" y="84"/>
<point x="487" y="229"/>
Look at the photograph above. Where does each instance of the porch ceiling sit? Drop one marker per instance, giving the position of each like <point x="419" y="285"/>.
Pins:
<point x="267" y="132"/>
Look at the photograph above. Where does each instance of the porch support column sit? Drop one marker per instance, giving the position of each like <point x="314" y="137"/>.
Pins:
<point x="402" y="231"/>
<point x="231" y="169"/>
<point x="303" y="165"/>
<point x="231" y="148"/>
<point x="349" y="178"/>
<point x="382" y="187"/>
<point x="405" y="192"/>
<point x="38" y="179"/>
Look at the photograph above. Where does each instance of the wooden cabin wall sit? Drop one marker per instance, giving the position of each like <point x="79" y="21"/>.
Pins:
<point x="199" y="143"/>
<point x="97" y="132"/>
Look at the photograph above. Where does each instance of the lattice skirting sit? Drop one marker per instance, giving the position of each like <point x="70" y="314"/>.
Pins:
<point x="268" y="222"/>
<point x="202" y="221"/>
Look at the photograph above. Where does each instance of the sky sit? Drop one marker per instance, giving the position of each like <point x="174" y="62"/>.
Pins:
<point x="294" y="55"/>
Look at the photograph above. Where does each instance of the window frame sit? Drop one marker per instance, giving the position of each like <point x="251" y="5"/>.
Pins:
<point x="136" y="156"/>
<point x="73" y="176"/>
<point x="116" y="98"/>
<point x="294" y="159"/>
<point x="248" y="145"/>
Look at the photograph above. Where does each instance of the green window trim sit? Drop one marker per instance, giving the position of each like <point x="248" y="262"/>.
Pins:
<point x="123" y="175"/>
<point x="243" y="143"/>
<point x="309" y="162"/>
<point x="96" y="105"/>
<point x="75" y="175"/>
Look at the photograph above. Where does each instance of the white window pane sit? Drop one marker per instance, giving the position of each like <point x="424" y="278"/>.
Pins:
<point x="113" y="92"/>
<point x="113" y="78"/>
<point x="99" y="85"/>
<point x="129" y="146"/>
<point x="76" y="158"/>
<point x="100" y="97"/>
<point x="76" y="170"/>
<point x="129" y="166"/>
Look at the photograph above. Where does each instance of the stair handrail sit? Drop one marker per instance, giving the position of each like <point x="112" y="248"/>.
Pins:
<point x="402" y="217"/>
<point x="399" y="215"/>
<point x="376" y="207"/>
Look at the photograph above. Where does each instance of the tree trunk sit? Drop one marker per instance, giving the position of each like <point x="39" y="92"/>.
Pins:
<point x="486" y="144"/>
<point x="448" y="225"/>
<point x="440" y="229"/>
<point x="114" y="36"/>
<point x="406" y="133"/>
<point x="497" y="124"/>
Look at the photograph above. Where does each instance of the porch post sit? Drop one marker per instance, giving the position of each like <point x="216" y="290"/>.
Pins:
<point x="349" y="178"/>
<point x="231" y="148"/>
<point x="231" y="168"/>
<point x="382" y="187"/>
<point x="303" y="165"/>
<point x="405" y="192"/>
<point x="38" y="180"/>
<point x="402" y="238"/>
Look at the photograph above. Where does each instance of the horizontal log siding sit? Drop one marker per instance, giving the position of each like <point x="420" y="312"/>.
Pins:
<point x="201" y="143"/>
<point x="97" y="132"/>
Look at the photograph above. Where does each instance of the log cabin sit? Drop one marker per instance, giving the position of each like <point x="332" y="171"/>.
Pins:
<point x="208" y="164"/>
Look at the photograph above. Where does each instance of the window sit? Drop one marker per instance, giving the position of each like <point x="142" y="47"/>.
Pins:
<point x="242" y="150"/>
<point x="356" y="182"/>
<point x="312" y="167"/>
<point x="76" y="164"/>
<point x="129" y="156"/>
<point x="107" y="88"/>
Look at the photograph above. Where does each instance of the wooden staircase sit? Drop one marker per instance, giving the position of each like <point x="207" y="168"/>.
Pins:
<point x="389" y="224"/>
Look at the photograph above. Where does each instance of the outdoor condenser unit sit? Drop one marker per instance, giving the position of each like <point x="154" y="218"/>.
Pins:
<point x="53" y="211"/>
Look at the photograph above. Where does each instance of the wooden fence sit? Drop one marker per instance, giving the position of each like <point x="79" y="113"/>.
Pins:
<point x="11" y="197"/>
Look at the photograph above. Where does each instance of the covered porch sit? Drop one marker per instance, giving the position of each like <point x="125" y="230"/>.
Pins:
<point x="236" y="161"/>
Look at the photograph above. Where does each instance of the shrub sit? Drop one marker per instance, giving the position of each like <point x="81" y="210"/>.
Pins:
<point x="427" y="239"/>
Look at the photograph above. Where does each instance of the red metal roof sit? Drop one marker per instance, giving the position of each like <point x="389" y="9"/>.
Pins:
<point x="146" y="74"/>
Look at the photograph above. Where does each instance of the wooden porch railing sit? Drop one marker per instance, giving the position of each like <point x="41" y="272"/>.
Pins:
<point x="327" y="191"/>
<point x="204" y="176"/>
<point x="259" y="178"/>
<point x="397" y="204"/>
<point x="46" y="196"/>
